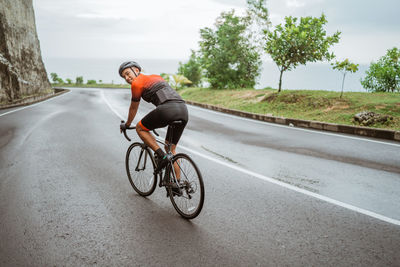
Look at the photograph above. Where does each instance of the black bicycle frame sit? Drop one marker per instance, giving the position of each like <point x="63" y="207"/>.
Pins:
<point x="140" y="158"/>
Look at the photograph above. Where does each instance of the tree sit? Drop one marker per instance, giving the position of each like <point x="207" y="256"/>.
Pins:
<point x="54" y="77"/>
<point x="69" y="81"/>
<point x="179" y="81"/>
<point x="298" y="43"/>
<point x="258" y="11"/>
<point x="384" y="76"/>
<point x="258" y="14"/>
<point x="344" y="67"/>
<point x="192" y="69"/>
<point x="91" y="82"/>
<point x="165" y="76"/>
<point x="79" y="80"/>
<point x="228" y="58"/>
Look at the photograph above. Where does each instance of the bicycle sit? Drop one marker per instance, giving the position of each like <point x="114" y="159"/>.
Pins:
<point x="181" y="177"/>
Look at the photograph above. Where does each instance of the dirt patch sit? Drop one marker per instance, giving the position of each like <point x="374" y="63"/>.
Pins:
<point x="260" y="98"/>
<point x="291" y="98"/>
<point x="246" y="95"/>
<point x="329" y="109"/>
<point x="380" y="107"/>
<point x="271" y="97"/>
<point x="337" y="106"/>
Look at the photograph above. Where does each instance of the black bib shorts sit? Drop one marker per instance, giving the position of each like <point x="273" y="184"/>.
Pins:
<point x="164" y="114"/>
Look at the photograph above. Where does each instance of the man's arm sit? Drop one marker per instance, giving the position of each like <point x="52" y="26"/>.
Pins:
<point x="132" y="112"/>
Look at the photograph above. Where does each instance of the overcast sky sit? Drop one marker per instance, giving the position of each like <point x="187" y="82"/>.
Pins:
<point x="169" y="29"/>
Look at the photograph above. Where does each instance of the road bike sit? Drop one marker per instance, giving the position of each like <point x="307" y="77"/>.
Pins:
<point x="181" y="177"/>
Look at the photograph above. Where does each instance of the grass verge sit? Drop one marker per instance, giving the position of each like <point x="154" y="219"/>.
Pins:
<point x="324" y="106"/>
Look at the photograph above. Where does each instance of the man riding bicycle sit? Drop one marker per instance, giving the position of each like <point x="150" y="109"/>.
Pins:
<point x="169" y="107"/>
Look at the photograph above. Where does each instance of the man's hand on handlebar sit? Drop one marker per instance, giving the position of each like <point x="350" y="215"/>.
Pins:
<point x="123" y="126"/>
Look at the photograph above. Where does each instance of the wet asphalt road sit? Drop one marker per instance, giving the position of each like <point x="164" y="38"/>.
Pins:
<point x="65" y="198"/>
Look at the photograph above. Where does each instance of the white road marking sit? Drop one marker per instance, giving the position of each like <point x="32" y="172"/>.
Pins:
<point x="294" y="188"/>
<point x="288" y="186"/>
<point x="294" y="128"/>
<point x="109" y="105"/>
<point x="29" y="106"/>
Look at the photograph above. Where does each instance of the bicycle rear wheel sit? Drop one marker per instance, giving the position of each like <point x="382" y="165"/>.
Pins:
<point x="139" y="163"/>
<point x="190" y="201"/>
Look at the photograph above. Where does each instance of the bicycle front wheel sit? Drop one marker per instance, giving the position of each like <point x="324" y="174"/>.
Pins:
<point x="140" y="165"/>
<point x="189" y="202"/>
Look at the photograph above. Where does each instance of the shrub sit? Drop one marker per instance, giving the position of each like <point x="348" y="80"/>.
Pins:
<point x="91" y="82"/>
<point x="384" y="76"/>
<point x="79" y="80"/>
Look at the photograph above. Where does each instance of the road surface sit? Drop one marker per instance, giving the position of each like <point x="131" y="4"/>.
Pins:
<point x="275" y="195"/>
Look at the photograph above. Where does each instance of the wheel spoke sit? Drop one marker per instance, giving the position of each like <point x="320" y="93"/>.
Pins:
<point x="139" y="164"/>
<point x="189" y="204"/>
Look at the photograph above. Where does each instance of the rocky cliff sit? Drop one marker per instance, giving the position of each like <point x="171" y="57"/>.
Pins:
<point x="22" y="70"/>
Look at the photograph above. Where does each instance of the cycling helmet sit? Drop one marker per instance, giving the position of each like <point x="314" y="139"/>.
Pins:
<point x="128" y="64"/>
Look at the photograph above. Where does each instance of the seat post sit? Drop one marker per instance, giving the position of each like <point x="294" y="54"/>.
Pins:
<point x="171" y="131"/>
<point x="171" y="127"/>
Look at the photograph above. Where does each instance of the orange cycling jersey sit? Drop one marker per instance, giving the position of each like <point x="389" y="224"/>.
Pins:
<point x="152" y="88"/>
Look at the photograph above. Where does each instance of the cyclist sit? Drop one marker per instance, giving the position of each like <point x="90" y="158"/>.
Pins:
<point x="169" y="107"/>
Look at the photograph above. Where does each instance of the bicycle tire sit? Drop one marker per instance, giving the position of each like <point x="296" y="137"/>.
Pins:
<point x="144" y="180"/>
<point x="190" y="173"/>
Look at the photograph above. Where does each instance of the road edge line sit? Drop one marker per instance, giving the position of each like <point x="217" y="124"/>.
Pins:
<point x="299" y="190"/>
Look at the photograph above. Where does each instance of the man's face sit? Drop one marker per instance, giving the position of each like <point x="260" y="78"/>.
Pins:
<point x="129" y="75"/>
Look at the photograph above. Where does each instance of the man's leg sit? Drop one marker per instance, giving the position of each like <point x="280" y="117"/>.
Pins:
<point x="176" y="167"/>
<point x="147" y="137"/>
<point x="152" y="120"/>
<point x="176" y="136"/>
<point x="150" y="140"/>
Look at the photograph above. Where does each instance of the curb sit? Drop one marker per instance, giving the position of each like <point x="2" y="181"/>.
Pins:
<point x="316" y="125"/>
<point x="35" y="99"/>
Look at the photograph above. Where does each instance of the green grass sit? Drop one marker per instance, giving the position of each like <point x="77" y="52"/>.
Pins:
<point x="325" y="106"/>
<point x="98" y="85"/>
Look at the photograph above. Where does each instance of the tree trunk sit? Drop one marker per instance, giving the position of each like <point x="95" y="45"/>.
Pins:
<point x="280" y="81"/>
<point x="344" y="76"/>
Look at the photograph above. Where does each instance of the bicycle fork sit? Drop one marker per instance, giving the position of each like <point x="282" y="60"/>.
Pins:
<point x="140" y="159"/>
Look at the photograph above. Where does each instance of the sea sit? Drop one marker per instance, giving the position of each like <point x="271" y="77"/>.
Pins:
<point x="313" y="76"/>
